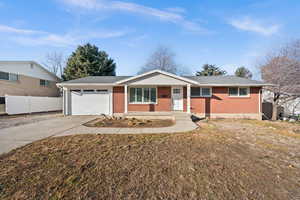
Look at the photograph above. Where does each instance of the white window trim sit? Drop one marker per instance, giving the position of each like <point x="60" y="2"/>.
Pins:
<point x="93" y="91"/>
<point x="9" y="77"/>
<point x="143" y="103"/>
<point x="46" y="81"/>
<point x="238" y="95"/>
<point x="200" y="88"/>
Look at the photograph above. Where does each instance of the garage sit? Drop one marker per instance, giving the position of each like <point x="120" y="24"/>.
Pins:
<point x="91" y="102"/>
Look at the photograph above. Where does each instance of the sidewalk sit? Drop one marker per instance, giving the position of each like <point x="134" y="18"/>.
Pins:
<point x="183" y="123"/>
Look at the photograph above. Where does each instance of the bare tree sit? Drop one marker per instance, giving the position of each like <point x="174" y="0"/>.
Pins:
<point x="162" y="59"/>
<point x="282" y="69"/>
<point x="55" y="62"/>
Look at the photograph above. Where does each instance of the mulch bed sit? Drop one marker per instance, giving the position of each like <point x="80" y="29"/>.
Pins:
<point x="129" y="123"/>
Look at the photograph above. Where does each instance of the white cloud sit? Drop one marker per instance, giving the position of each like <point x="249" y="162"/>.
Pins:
<point x="36" y="37"/>
<point x="46" y="40"/>
<point x="248" y="24"/>
<point x="176" y="10"/>
<point x="163" y="15"/>
<point x="9" y="29"/>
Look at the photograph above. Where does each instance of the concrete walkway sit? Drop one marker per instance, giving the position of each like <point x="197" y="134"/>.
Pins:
<point x="21" y="134"/>
<point x="17" y="136"/>
<point x="183" y="123"/>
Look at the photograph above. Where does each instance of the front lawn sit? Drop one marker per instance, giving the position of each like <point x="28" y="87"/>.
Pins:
<point x="225" y="159"/>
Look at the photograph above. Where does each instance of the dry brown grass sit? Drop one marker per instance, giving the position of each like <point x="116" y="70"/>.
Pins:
<point x="278" y="127"/>
<point x="210" y="163"/>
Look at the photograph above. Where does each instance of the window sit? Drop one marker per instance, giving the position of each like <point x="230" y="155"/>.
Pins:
<point x="78" y="91"/>
<point x="88" y="91"/>
<point x="9" y="76"/>
<point x="44" y="83"/>
<point x="2" y="100"/>
<point x="4" y="76"/>
<point x="243" y="92"/>
<point x="238" y="92"/>
<point x="205" y="92"/>
<point x="200" y="92"/>
<point x="139" y="95"/>
<point x="142" y="95"/>
<point x="147" y="95"/>
<point x="233" y="91"/>
<point x="195" y="92"/>
<point x="102" y="91"/>
<point x="153" y="95"/>
<point x="176" y="91"/>
<point x="13" y="77"/>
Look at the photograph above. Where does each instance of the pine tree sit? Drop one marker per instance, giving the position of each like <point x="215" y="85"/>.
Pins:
<point x="243" y="72"/>
<point x="88" y="60"/>
<point x="211" y="70"/>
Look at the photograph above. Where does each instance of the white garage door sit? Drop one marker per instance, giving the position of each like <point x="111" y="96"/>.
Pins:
<point x="90" y="102"/>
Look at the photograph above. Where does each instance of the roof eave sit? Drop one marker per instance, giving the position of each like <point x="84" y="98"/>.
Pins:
<point x="157" y="71"/>
<point x="84" y="84"/>
<point x="236" y="84"/>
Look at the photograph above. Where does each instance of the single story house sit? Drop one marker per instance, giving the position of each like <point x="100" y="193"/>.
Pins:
<point x="159" y="91"/>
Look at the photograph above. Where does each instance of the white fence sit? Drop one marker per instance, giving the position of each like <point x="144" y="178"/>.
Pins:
<point x="29" y="104"/>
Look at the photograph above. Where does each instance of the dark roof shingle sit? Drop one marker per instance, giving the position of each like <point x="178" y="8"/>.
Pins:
<point x="98" y="79"/>
<point x="224" y="80"/>
<point x="205" y="80"/>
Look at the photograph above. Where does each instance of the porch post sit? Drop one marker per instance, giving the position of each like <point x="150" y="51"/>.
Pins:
<point x="125" y="99"/>
<point x="188" y="94"/>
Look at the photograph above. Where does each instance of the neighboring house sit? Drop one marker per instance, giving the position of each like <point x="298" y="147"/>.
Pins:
<point x="158" y="91"/>
<point x="26" y="78"/>
<point x="289" y="108"/>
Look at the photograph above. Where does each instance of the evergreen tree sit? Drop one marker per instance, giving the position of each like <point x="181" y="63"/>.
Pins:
<point x="210" y="70"/>
<point x="243" y="72"/>
<point x="88" y="60"/>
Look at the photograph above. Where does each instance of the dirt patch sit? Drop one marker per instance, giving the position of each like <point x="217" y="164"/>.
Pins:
<point x="129" y="123"/>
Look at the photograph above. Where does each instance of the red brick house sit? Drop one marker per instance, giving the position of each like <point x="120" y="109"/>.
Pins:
<point x="159" y="91"/>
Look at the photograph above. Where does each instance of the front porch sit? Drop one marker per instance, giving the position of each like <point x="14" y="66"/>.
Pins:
<point x="160" y="99"/>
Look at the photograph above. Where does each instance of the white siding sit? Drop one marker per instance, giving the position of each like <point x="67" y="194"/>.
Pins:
<point x="24" y="68"/>
<point x="157" y="79"/>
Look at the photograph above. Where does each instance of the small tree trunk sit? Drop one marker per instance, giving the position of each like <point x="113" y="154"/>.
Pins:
<point x="274" y="112"/>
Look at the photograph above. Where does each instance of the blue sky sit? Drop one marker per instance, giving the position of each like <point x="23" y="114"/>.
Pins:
<point x="228" y="33"/>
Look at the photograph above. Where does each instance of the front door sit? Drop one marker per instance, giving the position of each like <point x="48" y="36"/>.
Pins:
<point x="177" y="98"/>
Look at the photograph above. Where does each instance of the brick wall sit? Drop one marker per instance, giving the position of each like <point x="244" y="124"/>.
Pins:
<point x="220" y="102"/>
<point x="163" y="102"/>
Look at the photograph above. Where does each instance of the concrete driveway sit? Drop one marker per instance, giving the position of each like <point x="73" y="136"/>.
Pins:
<point x="19" y="135"/>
